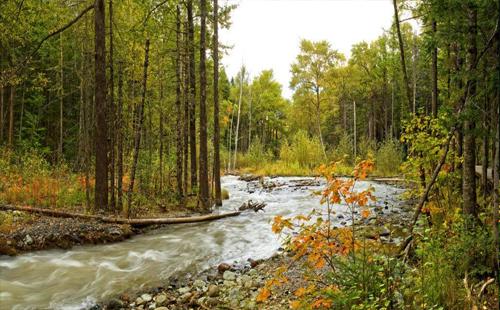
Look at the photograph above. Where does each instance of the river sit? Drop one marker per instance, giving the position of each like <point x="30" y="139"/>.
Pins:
<point x="77" y="278"/>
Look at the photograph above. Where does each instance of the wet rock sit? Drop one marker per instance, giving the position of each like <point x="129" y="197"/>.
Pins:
<point x="229" y="275"/>
<point x="213" y="290"/>
<point x="211" y="302"/>
<point x="114" y="304"/>
<point x="199" y="283"/>
<point x="139" y="301"/>
<point x="384" y="232"/>
<point x="223" y="267"/>
<point x="146" y="297"/>
<point x="184" y="290"/>
<point x="184" y="298"/>
<point x="28" y="240"/>
<point x="228" y="283"/>
<point x="160" y="299"/>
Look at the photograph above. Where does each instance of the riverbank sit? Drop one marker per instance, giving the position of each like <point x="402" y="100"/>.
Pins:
<point x="223" y="287"/>
<point x="22" y="232"/>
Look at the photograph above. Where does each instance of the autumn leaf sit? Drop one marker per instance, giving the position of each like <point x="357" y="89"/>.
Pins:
<point x="365" y="213"/>
<point x="263" y="295"/>
<point x="300" y="292"/>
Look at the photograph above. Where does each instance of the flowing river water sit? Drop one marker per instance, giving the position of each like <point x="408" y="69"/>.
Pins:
<point x="78" y="278"/>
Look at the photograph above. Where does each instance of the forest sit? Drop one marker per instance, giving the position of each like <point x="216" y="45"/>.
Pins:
<point x="377" y="179"/>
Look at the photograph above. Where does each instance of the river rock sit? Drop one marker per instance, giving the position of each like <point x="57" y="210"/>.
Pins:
<point x="184" y="290"/>
<point x="139" y="301"/>
<point x="213" y="290"/>
<point x="184" y="298"/>
<point x="160" y="299"/>
<point x="228" y="283"/>
<point x="199" y="283"/>
<point x="114" y="304"/>
<point x="223" y="267"/>
<point x="146" y="297"/>
<point x="28" y="240"/>
<point x="253" y="272"/>
<point x="211" y="302"/>
<point x="229" y="275"/>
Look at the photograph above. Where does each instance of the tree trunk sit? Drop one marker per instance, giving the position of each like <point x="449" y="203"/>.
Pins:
<point x="414" y="74"/>
<point x="238" y="119"/>
<point x="192" y="96"/>
<point x="204" y="195"/>
<point x="101" y="128"/>
<point x="61" y="99"/>
<point x="138" y="130"/>
<point x="186" y="102"/>
<point x="469" y="167"/>
<point x="496" y="163"/>
<point x="434" y="72"/>
<point x="318" y="120"/>
<point x="215" y="54"/>
<point x="11" y="115"/>
<point x="1" y="113"/>
<point x="178" y="111"/>
<point x="111" y="109"/>
<point x="119" y="136"/>
<point x="402" y="54"/>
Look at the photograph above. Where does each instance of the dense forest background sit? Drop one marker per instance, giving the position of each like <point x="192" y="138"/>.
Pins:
<point x="125" y="106"/>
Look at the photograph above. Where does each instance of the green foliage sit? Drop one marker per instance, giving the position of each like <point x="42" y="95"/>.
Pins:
<point x="388" y="158"/>
<point x="256" y="155"/>
<point x="343" y="151"/>
<point x="304" y="151"/>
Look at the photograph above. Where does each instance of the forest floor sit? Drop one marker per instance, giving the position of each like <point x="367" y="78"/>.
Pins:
<point x="22" y="232"/>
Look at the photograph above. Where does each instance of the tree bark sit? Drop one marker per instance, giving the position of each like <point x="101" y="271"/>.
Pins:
<point x="119" y="135"/>
<point x="215" y="54"/>
<point x="434" y="72"/>
<point x="61" y="99"/>
<point x="186" y="103"/>
<point x="238" y="119"/>
<point x="112" y="111"/>
<point x="138" y="132"/>
<point x="469" y="167"/>
<point x="203" y="175"/>
<point x="402" y="54"/>
<point x="115" y="220"/>
<point x="11" y="115"/>
<point x="1" y="113"/>
<point x="192" y="96"/>
<point x="496" y="161"/>
<point x="101" y="128"/>
<point x="178" y="111"/>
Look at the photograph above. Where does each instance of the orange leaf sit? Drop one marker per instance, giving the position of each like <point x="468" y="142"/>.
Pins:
<point x="263" y="295"/>
<point x="300" y="292"/>
<point x="365" y="213"/>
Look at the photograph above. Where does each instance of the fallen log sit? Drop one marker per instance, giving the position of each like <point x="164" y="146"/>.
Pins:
<point x="250" y="205"/>
<point x="250" y="177"/>
<point x="117" y="220"/>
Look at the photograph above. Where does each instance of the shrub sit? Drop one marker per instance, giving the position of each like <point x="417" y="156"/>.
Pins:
<point x="389" y="158"/>
<point x="305" y="151"/>
<point x="344" y="150"/>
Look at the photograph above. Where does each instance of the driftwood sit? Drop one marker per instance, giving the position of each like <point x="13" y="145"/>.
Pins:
<point x="250" y="177"/>
<point x="305" y="182"/>
<point x="116" y="220"/>
<point x="250" y="205"/>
